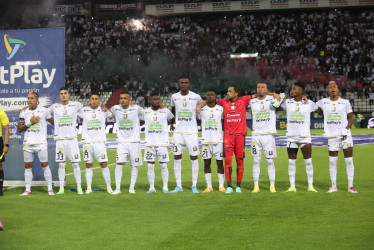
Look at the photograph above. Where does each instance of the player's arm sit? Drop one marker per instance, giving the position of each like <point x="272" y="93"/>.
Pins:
<point x="6" y="139"/>
<point x="172" y="121"/>
<point x="51" y="121"/>
<point x="23" y="125"/>
<point x="200" y="106"/>
<point x="349" y="125"/>
<point x="350" y="120"/>
<point x="319" y="111"/>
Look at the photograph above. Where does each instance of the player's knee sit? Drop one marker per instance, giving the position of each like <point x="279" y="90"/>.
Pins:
<point x="193" y="158"/>
<point x="256" y="159"/>
<point x="44" y="164"/>
<point x="270" y="162"/>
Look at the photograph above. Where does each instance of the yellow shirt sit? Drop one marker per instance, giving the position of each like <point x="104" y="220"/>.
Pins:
<point x="3" y="121"/>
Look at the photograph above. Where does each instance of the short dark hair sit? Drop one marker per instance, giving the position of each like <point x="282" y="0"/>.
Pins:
<point x="125" y="92"/>
<point x="64" y="88"/>
<point x="299" y="84"/>
<point x="187" y="77"/>
<point x="236" y="88"/>
<point x="212" y="90"/>
<point x="153" y="94"/>
<point x="95" y="93"/>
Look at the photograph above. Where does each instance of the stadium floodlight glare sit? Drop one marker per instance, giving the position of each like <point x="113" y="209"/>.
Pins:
<point x="243" y="55"/>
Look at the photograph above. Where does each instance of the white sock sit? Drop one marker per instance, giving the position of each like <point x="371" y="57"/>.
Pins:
<point x="256" y="169"/>
<point x="106" y="175"/>
<point x="28" y="179"/>
<point x="271" y="171"/>
<point x="309" y="171"/>
<point x="61" y="174"/>
<point x="89" y="175"/>
<point x="178" y="172"/>
<point x="134" y="176"/>
<point x="195" y="171"/>
<point x="332" y="167"/>
<point x="208" y="179"/>
<point x="220" y="180"/>
<point x="118" y="176"/>
<point x="164" y="175"/>
<point x="292" y="171"/>
<point x="350" y="170"/>
<point x="151" y="175"/>
<point x="48" y="177"/>
<point x="77" y="174"/>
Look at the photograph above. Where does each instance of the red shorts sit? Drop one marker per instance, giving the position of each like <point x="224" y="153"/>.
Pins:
<point x="234" y="144"/>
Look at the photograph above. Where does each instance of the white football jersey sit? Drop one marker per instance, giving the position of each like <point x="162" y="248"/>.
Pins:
<point x="185" y="112"/>
<point x="335" y="116"/>
<point x="211" y="123"/>
<point x="156" y="126"/>
<point x="65" y="117"/>
<point x="298" y="117"/>
<point x="127" y="122"/>
<point x="93" y="129"/>
<point x="263" y="116"/>
<point x="36" y="133"/>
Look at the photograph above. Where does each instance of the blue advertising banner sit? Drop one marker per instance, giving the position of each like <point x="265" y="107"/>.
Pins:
<point x="30" y="60"/>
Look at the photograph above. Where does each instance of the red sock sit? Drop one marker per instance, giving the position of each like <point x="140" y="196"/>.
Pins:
<point x="239" y="169"/>
<point x="228" y="168"/>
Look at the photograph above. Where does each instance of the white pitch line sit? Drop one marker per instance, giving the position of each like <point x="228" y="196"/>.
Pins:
<point x="92" y="169"/>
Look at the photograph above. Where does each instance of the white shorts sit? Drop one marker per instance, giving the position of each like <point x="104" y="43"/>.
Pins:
<point x="152" y="152"/>
<point x="131" y="150"/>
<point x="298" y="142"/>
<point x="96" y="149"/>
<point x="67" y="149"/>
<point x="210" y="150"/>
<point x="265" y="143"/>
<point x="189" y="141"/>
<point x="335" y="144"/>
<point x="30" y="150"/>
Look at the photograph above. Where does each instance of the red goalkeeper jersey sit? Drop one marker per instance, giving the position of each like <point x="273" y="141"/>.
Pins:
<point x="235" y="115"/>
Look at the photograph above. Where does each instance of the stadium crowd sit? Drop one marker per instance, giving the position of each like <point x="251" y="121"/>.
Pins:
<point x="311" y="47"/>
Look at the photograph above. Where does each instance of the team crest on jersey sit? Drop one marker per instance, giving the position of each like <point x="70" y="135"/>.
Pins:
<point x="64" y="111"/>
<point x="125" y="114"/>
<point x="262" y="105"/>
<point x="155" y="116"/>
<point x="211" y="115"/>
<point x="184" y="104"/>
<point x="232" y="106"/>
<point x="137" y="159"/>
<point x="297" y="108"/>
<point x="93" y="114"/>
<point x="194" y="148"/>
<point x="333" y="107"/>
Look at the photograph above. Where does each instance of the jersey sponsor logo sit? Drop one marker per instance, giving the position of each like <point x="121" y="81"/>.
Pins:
<point x="17" y="44"/>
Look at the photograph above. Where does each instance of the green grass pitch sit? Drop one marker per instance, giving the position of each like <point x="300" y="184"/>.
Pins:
<point x="185" y="220"/>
